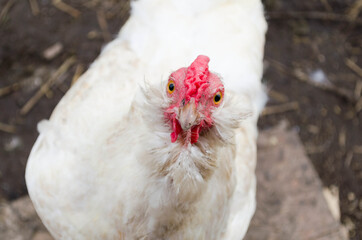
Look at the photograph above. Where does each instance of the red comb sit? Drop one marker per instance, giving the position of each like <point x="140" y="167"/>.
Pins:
<point x="196" y="78"/>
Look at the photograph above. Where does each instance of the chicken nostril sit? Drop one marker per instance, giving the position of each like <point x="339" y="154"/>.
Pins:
<point x="183" y="102"/>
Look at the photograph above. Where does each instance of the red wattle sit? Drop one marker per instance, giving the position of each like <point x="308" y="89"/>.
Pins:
<point x="195" y="133"/>
<point x="173" y="137"/>
<point x="176" y="130"/>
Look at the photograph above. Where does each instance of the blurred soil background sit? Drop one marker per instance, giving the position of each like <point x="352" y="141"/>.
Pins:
<point x="313" y="60"/>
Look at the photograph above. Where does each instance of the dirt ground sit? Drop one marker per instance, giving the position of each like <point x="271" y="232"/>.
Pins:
<point x="312" y="69"/>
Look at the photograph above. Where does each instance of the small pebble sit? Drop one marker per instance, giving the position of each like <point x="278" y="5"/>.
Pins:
<point x="53" y="51"/>
<point x="351" y="196"/>
<point x="319" y="77"/>
<point x="337" y="110"/>
<point x="313" y="129"/>
<point x="13" y="143"/>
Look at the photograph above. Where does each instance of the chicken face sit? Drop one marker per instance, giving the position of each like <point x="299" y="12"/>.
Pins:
<point x="194" y="93"/>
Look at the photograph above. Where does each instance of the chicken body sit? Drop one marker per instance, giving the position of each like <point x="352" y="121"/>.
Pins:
<point x="104" y="166"/>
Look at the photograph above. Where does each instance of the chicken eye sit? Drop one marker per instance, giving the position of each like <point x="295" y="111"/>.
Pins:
<point x="171" y="87"/>
<point x="217" y="98"/>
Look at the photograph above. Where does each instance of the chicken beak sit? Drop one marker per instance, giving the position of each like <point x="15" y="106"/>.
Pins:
<point x="188" y="115"/>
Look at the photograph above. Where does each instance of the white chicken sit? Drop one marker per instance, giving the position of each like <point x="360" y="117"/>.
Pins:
<point x="132" y="152"/>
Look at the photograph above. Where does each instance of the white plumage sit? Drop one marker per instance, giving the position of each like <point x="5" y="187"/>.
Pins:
<point x="101" y="166"/>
